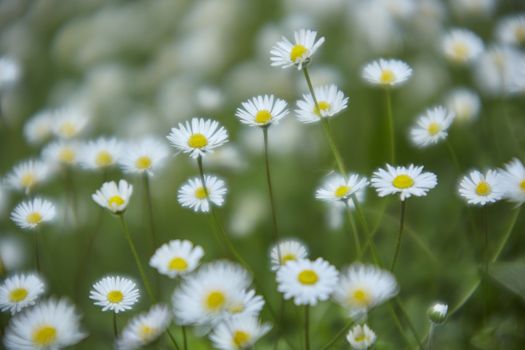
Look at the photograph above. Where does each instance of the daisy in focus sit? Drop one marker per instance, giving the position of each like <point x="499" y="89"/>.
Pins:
<point x="336" y="188"/>
<point x="286" y="251"/>
<point x="407" y="181"/>
<point x="31" y="214"/>
<point x="330" y="101"/>
<point x="144" y="328"/>
<point x="26" y="175"/>
<point x="431" y="127"/>
<point x="143" y="157"/>
<point x="361" y="337"/>
<point x="114" y="197"/>
<point x="101" y="153"/>
<point x="481" y="189"/>
<point x="461" y="46"/>
<point x="298" y="53"/>
<point x="176" y="258"/>
<point x="464" y="103"/>
<point x="198" y="137"/>
<point x="238" y="334"/>
<point x="513" y="181"/>
<point x="69" y="122"/>
<point x="194" y="196"/>
<point x="61" y="152"/>
<point x="19" y="291"/>
<point x="387" y="73"/>
<point x="115" y="293"/>
<point x="262" y="111"/>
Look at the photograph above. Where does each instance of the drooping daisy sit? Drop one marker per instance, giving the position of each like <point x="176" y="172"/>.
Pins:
<point x="361" y="337"/>
<point x="101" y="153"/>
<point x="239" y="333"/>
<point x="262" y="111"/>
<point x="407" y="181"/>
<point x="362" y="287"/>
<point x="512" y="180"/>
<point x="431" y="126"/>
<point x="336" y="188"/>
<point x="68" y="122"/>
<point x="176" y="258"/>
<point x="115" y="293"/>
<point x="246" y="303"/>
<point x="464" y="103"/>
<point x="38" y="128"/>
<point x="146" y="156"/>
<point x="9" y="72"/>
<point x="387" y="73"/>
<point x="194" y="196"/>
<point x="19" y="291"/>
<point x="481" y="189"/>
<point x="330" y="102"/>
<point x="61" y="152"/>
<point x="112" y="197"/>
<point x="286" y="251"/>
<point x="511" y="30"/>
<point x="28" y="174"/>
<point x="31" y="214"/>
<point x="298" y="53"/>
<point x="461" y="46"/>
<point x="437" y="312"/>
<point x="144" y="328"/>
<point x="51" y="324"/>
<point x="198" y="137"/>
<point x="306" y="281"/>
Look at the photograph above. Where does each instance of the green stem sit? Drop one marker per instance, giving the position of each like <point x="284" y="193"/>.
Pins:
<point x="149" y="204"/>
<point x="398" y="324"/>
<point x="430" y="336"/>
<point x="453" y="155"/>
<point x="400" y="234"/>
<point x="390" y="124"/>
<point x="70" y="185"/>
<point x="307" y="327"/>
<point x="339" y="334"/>
<point x="37" y="250"/>
<point x="172" y="338"/>
<point x="115" y="327"/>
<point x="355" y="233"/>
<point x="408" y="322"/>
<point x="184" y="338"/>
<point x="270" y="192"/>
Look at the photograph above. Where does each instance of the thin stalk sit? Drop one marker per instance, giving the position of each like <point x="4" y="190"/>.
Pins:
<point x="307" y="327"/>
<point x="70" y="185"/>
<point x="115" y="327"/>
<point x="270" y="192"/>
<point x="400" y="234"/>
<point x="184" y="338"/>
<point x="398" y="324"/>
<point x="172" y="338"/>
<point x="408" y="322"/>
<point x="339" y="334"/>
<point x="430" y="336"/>
<point x="390" y="124"/>
<point x="355" y="233"/>
<point x="453" y="155"/>
<point x="149" y="204"/>
<point x="36" y="240"/>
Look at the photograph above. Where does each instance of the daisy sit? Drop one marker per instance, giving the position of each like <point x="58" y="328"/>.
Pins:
<point x="198" y="137"/>
<point x="115" y="293"/>
<point x="144" y="328"/>
<point x="51" y="324"/>
<point x="336" y="188"/>
<point x="61" y="152"/>
<point x="437" y="313"/>
<point x="362" y="287"/>
<point x="31" y="214"/>
<point x="69" y="122"/>
<point x="480" y="189"/>
<point x="244" y="304"/>
<point x="407" y="181"/>
<point x="431" y="126"/>
<point x="26" y="175"/>
<point x="194" y="196"/>
<point x="38" y="128"/>
<point x="286" y="251"/>
<point x="238" y="334"/>
<point x="387" y="73"/>
<point x="513" y="181"/>
<point x="511" y="30"/>
<point x="112" y="197"/>
<point x="9" y="72"/>
<point x="330" y="101"/>
<point x="464" y="103"/>
<point x="19" y="291"/>
<point x="143" y="157"/>
<point x="176" y="258"/>
<point x="361" y="337"/>
<point x="101" y="153"/>
<point x="306" y="281"/>
<point x="298" y="53"/>
<point x="461" y="46"/>
<point x="262" y="111"/>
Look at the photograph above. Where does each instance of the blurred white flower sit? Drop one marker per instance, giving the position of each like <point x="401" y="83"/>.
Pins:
<point x="31" y="214"/>
<point x="28" y="174"/>
<point x="144" y="156"/>
<point x="461" y="46"/>
<point x="384" y="72"/>
<point x="9" y="72"/>
<point x="69" y="122"/>
<point x="61" y="152"/>
<point x="101" y="153"/>
<point x="473" y="8"/>
<point x="285" y="251"/>
<point x="20" y="291"/>
<point x="361" y="337"/>
<point x="176" y="258"/>
<point x="238" y="334"/>
<point x="39" y="127"/>
<point x="511" y="30"/>
<point x="12" y="253"/>
<point x="512" y="179"/>
<point x="464" y="103"/>
<point x="144" y="328"/>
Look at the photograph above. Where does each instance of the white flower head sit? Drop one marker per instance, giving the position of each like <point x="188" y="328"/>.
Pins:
<point x="511" y="30"/>
<point x="198" y="137"/>
<point x="298" y="53"/>
<point x="262" y="111"/>
<point x="114" y="197"/>
<point x="115" y="293"/>
<point x="9" y="72"/>
<point x="330" y="101"/>
<point x="431" y="127"/>
<point x="437" y="312"/>
<point x="20" y="290"/>
<point x="194" y="196"/>
<point x="101" y="153"/>
<point x="238" y="334"/>
<point x="480" y="189"/>
<point x="407" y="181"/>
<point x="244" y="304"/>
<point x="143" y="157"/>
<point x="306" y="281"/>
<point x="144" y="328"/>
<point x="336" y="188"/>
<point x="176" y="258"/>
<point x="464" y="103"/>
<point x="12" y="252"/>
<point x="512" y="180"/>
<point x="50" y="324"/>
<point x="461" y="46"/>
<point x="28" y="174"/>
<point x="61" y="152"/>
<point x="31" y="214"/>
<point x="361" y="337"/>
<point x="39" y="127"/>
<point x="386" y="72"/>
<point x="69" y="122"/>
<point x="286" y="251"/>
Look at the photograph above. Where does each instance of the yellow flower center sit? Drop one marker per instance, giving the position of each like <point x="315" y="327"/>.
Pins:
<point x="522" y="185"/>
<point x="483" y="188"/>
<point x="34" y="218"/>
<point x="67" y="155"/>
<point x="115" y="296"/>
<point x="433" y="128"/>
<point x="178" y="264"/>
<point x="361" y="297"/>
<point x="17" y="295"/>
<point x="297" y="52"/>
<point x="288" y="257"/>
<point x="143" y="163"/>
<point x="520" y="33"/>
<point x="263" y="116"/>
<point x="197" y="141"/>
<point x="146" y="332"/>
<point x="403" y="181"/>
<point x="323" y="106"/>
<point x="28" y="180"/>
<point x="460" y="51"/>
<point x="387" y="76"/>
<point x="116" y="201"/>
<point x="44" y="335"/>
<point x="308" y="277"/>
<point x="342" y="191"/>
<point x="104" y="158"/>
<point x="360" y="337"/>
<point x="68" y="129"/>
<point x="200" y="193"/>
<point x="240" y="338"/>
<point x="215" y="300"/>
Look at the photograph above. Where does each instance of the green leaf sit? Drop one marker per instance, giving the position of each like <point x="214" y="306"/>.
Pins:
<point x="510" y="275"/>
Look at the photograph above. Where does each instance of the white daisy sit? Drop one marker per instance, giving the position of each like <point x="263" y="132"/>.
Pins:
<point x="512" y="180"/>
<point x="287" y="250"/>
<point x="198" y="137"/>
<point x="362" y="287"/>
<point x="145" y="156"/>
<point x="431" y="126"/>
<point x="176" y="258"/>
<point x="50" y="325"/>
<point x="330" y="100"/>
<point x="101" y="153"/>
<point x="480" y="189"/>
<point x="407" y="181"/>
<point x="299" y="53"/>
<point x="31" y="214"/>
<point x="246" y="303"/>
<point x="262" y="111"/>
<point x="385" y="72"/>
<point x="464" y="103"/>
<point x="144" y="328"/>
<point x="38" y="128"/>
<point x="112" y="197"/>
<point x="437" y="313"/>
<point x="115" y="293"/>
<point x="461" y="46"/>
<point x="12" y="252"/>
<point x="361" y="337"/>
<point x="238" y="334"/>
<point x="336" y="188"/>
<point x="511" y="30"/>
<point x="28" y="174"/>
<point x="194" y="196"/>
<point x="61" y="152"/>
<point x="68" y="122"/>
<point x="9" y="72"/>
<point x="19" y="291"/>
<point x="306" y="281"/>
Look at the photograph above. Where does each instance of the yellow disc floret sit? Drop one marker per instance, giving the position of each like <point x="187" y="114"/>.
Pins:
<point x="298" y="52"/>
<point x="483" y="188"/>
<point x="308" y="277"/>
<point x="17" y="295"/>
<point x="34" y="218"/>
<point x="403" y="181"/>
<point x="215" y="300"/>
<point x="241" y="338"/>
<point x="44" y="336"/>
<point x="197" y="141"/>
<point x="263" y="116"/>
<point x="115" y="296"/>
<point x="143" y="163"/>
<point x="178" y="264"/>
